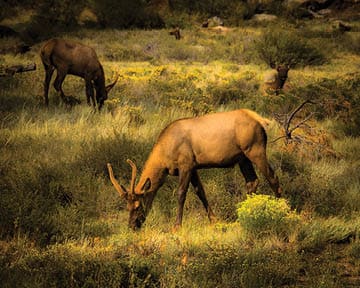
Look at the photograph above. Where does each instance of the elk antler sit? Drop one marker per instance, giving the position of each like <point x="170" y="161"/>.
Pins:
<point x="122" y="192"/>
<point x="133" y="176"/>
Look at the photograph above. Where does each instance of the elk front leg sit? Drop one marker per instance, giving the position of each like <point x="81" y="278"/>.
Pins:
<point x="184" y="181"/>
<point x="90" y="93"/>
<point x="200" y="192"/>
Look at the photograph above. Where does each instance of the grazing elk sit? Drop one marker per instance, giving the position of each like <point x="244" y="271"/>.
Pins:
<point x="186" y="145"/>
<point x="67" y="57"/>
<point x="275" y="79"/>
<point x="176" y="33"/>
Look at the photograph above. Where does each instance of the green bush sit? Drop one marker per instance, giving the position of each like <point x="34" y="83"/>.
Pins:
<point x="227" y="9"/>
<point x="337" y="99"/>
<point x="351" y="43"/>
<point x="233" y="91"/>
<point x="262" y="214"/>
<point x="332" y="188"/>
<point x="126" y="14"/>
<point x="63" y="266"/>
<point x="286" y="47"/>
<point x="314" y="235"/>
<point x="52" y="17"/>
<point x="235" y="267"/>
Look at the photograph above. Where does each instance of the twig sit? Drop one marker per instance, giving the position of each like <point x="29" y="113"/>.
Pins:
<point x="301" y="122"/>
<point x="287" y="121"/>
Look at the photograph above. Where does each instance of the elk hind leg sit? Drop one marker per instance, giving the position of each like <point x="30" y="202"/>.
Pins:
<point x="49" y="70"/>
<point x="260" y="160"/>
<point x="58" y="84"/>
<point x="248" y="171"/>
<point x="200" y="192"/>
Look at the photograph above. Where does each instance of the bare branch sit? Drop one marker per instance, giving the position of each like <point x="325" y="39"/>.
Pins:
<point x="301" y="122"/>
<point x="292" y="115"/>
<point x="285" y="120"/>
<point x="277" y="139"/>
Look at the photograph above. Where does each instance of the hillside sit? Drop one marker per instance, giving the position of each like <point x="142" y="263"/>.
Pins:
<point x="62" y="223"/>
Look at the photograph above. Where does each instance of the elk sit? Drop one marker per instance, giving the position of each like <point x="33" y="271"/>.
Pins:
<point x="216" y="140"/>
<point x="67" y="57"/>
<point x="176" y="33"/>
<point x="275" y="79"/>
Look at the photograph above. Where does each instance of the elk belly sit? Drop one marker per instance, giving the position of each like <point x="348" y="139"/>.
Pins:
<point x="219" y="157"/>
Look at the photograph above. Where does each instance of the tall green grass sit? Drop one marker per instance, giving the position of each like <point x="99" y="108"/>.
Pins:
<point x="63" y="224"/>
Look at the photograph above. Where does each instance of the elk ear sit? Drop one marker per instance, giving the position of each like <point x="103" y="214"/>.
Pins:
<point x="136" y="204"/>
<point x="146" y="186"/>
<point x="110" y="86"/>
<point x="272" y="65"/>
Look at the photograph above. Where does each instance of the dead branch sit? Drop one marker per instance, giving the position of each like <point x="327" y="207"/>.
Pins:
<point x="287" y="121"/>
<point x="301" y="122"/>
<point x="11" y="70"/>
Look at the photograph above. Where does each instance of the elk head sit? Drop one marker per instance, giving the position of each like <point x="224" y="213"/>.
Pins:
<point x="282" y="71"/>
<point x="102" y="94"/>
<point x="135" y="202"/>
<point x="283" y="74"/>
<point x="176" y="33"/>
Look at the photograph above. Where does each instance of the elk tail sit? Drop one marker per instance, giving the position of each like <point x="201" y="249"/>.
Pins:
<point x="263" y="121"/>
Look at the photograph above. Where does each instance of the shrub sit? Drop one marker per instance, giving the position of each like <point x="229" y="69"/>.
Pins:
<point x="278" y="46"/>
<point x="229" y="266"/>
<point x="262" y="214"/>
<point x="226" y="9"/>
<point x="351" y="43"/>
<point x="52" y="17"/>
<point x="294" y="178"/>
<point x="332" y="188"/>
<point x="126" y="14"/>
<point x="314" y="236"/>
<point x="229" y="92"/>
<point x="337" y="99"/>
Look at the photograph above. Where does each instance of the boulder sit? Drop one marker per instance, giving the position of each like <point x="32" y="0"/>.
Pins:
<point x="264" y="18"/>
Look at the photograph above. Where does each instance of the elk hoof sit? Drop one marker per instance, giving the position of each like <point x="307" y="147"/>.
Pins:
<point x="176" y="228"/>
<point x="72" y="101"/>
<point x="278" y="193"/>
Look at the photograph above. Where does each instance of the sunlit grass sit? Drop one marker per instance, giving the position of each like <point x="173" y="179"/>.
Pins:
<point x="62" y="211"/>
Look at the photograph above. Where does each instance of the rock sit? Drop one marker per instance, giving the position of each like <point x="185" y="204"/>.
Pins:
<point x="87" y="17"/>
<point x="264" y="17"/>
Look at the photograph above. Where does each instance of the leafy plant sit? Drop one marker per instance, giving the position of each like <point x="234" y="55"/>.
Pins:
<point x="262" y="214"/>
<point x="279" y="46"/>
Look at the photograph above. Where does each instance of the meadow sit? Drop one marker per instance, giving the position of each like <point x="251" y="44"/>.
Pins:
<point x="62" y="223"/>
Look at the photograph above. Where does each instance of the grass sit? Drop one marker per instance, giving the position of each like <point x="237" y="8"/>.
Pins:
<point x="63" y="225"/>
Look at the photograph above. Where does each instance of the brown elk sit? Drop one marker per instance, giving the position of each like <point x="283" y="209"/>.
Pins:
<point x="67" y="57"/>
<point x="186" y="145"/>
<point x="275" y="79"/>
<point x="176" y="33"/>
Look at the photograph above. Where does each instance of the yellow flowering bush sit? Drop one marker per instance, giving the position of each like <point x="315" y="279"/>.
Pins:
<point x="263" y="214"/>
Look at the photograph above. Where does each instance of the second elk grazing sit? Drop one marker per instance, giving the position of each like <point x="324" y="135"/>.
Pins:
<point x="67" y="57"/>
<point x="275" y="79"/>
<point x="176" y="32"/>
<point x="212" y="141"/>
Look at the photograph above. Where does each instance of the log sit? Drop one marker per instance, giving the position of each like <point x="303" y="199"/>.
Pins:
<point x="11" y="70"/>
